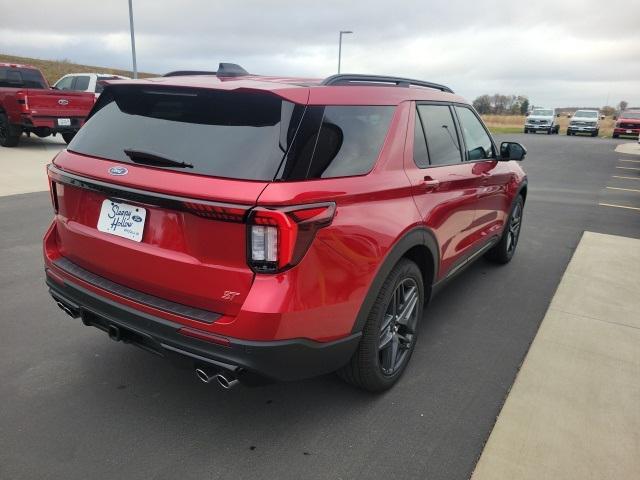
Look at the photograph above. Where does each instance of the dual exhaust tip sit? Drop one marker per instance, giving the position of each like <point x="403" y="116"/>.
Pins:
<point x="225" y="380"/>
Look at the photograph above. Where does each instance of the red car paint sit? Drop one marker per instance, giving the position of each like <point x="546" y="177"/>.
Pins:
<point x="201" y="262"/>
<point x="36" y="107"/>
<point x="628" y="123"/>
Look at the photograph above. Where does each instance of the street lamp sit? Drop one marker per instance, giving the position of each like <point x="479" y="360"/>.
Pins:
<point x="133" y="40"/>
<point x="342" y="32"/>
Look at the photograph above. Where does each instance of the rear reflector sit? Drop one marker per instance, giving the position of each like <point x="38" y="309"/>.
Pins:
<point x="206" y="336"/>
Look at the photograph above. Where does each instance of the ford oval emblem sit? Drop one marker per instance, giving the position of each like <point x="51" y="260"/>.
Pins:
<point x="63" y="101"/>
<point x="136" y="218"/>
<point x="118" y="171"/>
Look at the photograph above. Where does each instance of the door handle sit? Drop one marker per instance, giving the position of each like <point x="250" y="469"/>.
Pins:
<point x="430" y="184"/>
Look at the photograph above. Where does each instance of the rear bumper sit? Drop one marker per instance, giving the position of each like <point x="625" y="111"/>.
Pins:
<point x="582" y="129"/>
<point x="627" y="131"/>
<point x="280" y="360"/>
<point x="29" y="122"/>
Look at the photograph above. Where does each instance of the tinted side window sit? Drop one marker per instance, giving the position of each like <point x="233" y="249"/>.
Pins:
<point x="32" y="78"/>
<point x="81" y="84"/>
<point x="10" y="78"/>
<point x="420" y="153"/>
<point x="337" y="141"/>
<point x="65" y="83"/>
<point x="440" y="130"/>
<point x="479" y="144"/>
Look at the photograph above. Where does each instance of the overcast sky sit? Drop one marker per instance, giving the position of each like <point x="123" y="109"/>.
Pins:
<point x="559" y="53"/>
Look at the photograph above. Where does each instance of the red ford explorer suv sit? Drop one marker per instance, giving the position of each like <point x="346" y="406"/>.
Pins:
<point x="268" y="228"/>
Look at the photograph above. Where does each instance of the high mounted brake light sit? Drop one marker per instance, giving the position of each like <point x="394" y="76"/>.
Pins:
<point x="278" y="238"/>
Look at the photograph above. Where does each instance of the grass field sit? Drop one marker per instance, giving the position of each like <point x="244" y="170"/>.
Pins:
<point x="515" y="124"/>
<point x="54" y="69"/>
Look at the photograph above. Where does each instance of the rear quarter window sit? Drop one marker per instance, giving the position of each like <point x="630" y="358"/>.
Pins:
<point x="337" y="141"/>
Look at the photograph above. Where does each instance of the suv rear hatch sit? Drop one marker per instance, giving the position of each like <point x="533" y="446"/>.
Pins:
<point x="168" y="219"/>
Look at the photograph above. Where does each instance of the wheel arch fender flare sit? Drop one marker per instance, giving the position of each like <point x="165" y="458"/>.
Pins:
<point x="416" y="237"/>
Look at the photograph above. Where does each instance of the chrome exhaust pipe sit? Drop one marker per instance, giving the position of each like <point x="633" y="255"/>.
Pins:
<point x="226" y="382"/>
<point x="66" y="309"/>
<point x="205" y="375"/>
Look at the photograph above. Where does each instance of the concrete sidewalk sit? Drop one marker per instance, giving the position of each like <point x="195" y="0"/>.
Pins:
<point x="574" y="409"/>
<point x="23" y="167"/>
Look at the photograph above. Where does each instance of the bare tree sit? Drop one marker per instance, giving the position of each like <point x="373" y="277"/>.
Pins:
<point x="622" y="106"/>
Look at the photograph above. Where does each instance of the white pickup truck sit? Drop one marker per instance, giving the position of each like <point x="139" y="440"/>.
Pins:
<point x="585" y="121"/>
<point x="85" y="82"/>
<point x="541" y="120"/>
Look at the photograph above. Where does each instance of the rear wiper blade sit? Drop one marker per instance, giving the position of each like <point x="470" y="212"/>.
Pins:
<point x="150" y="158"/>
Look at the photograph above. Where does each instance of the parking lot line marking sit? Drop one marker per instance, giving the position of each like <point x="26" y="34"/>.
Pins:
<point x="632" y="161"/>
<point x="626" y="178"/>
<point x="624" y="189"/>
<point x="618" y="206"/>
<point x="628" y="168"/>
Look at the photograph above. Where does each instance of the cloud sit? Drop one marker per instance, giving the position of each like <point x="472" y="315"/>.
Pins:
<point x="575" y="52"/>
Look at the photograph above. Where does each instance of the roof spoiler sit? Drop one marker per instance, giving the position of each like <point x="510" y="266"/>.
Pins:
<point x="224" y="70"/>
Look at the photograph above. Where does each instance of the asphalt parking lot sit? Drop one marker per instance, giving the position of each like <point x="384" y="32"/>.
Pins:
<point x="77" y="405"/>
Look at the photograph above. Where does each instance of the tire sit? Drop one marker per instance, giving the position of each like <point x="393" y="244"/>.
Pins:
<point x="8" y="136"/>
<point x="557" y="129"/>
<point x="550" y="131"/>
<point x="373" y="366"/>
<point x="504" y="250"/>
<point x="615" y="135"/>
<point x="67" y="137"/>
<point x="526" y="131"/>
<point x="568" y="133"/>
<point x="596" y="133"/>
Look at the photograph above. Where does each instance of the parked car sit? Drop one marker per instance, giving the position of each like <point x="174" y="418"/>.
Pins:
<point x="585" y="121"/>
<point x="268" y="228"/>
<point x="542" y="120"/>
<point x="28" y="105"/>
<point x="628" y="123"/>
<point x="86" y="82"/>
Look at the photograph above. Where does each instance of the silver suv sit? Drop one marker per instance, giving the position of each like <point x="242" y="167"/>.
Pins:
<point x="585" y="121"/>
<point x="541" y="119"/>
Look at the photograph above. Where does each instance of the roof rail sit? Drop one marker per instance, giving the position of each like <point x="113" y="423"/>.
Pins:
<point x="351" y="78"/>
<point x="224" y="70"/>
<point x="182" y="73"/>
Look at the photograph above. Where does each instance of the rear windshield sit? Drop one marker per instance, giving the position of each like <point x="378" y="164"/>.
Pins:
<point x="253" y="136"/>
<point x="21" y="78"/>
<point x="630" y="115"/>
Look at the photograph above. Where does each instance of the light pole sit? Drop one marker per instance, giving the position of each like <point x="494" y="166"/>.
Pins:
<point x="342" y="32"/>
<point x="133" y="40"/>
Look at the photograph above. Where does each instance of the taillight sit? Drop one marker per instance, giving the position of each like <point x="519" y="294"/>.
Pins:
<point x="53" y="191"/>
<point x="278" y="238"/>
<point x="23" y="101"/>
<point x="227" y="213"/>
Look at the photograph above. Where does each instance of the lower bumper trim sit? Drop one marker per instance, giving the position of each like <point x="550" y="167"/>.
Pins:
<point x="280" y="360"/>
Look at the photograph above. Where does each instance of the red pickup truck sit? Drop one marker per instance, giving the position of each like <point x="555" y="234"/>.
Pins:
<point x="28" y="104"/>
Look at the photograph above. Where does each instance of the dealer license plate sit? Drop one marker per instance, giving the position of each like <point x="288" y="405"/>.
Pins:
<point x="122" y="219"/>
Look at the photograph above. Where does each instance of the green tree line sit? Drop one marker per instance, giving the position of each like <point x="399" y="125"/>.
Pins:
<point x="501" y="104"/>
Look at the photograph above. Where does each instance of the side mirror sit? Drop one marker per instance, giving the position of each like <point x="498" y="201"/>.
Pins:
<point x="557" y="115"/>
<point x="526" y="114"/>
<point x="601" y="117"/>
<point x="512" y="151"/>
<point x="568" y="115"/>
